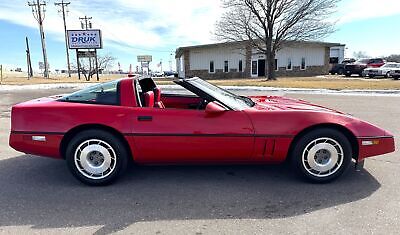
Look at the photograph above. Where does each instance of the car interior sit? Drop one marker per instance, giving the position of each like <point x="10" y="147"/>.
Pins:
<point x="149" y="95"/>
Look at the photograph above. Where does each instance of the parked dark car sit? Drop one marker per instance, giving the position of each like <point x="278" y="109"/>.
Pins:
<point x="339" y="68"/>
<point x="361" y="64"/>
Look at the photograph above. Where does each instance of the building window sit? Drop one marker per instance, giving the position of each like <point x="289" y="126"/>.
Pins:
<point x="212" y="70"/>
<point x="240" y="65"/>
<point x="254" y="68"/>
<point x="303" y="63"/>
<point x="226" y="66"/>
<point x="181" y="63"/>
<point x="289" y="64"/>
<point x="276" y="65"/>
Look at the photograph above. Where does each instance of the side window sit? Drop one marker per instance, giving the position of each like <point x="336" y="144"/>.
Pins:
<point x="303" y="63"/>
<point x="276" y="65"/>
<point x="254" y="67"/>
<point x="106" y="93"/>
<point x="211" y="69"/>
<point x="240" y="65"/>
<point x="226" y="66"/>
<point x="289" y="64"/>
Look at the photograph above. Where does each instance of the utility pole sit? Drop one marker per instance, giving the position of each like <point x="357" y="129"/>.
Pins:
<point x="28" y="59"/>
<point x="63" y="6"/>
<point x="38" y="11"/>
<point x="86" y="23"/>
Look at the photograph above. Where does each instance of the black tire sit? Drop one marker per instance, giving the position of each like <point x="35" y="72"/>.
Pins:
<point x="341" y="72"/>
<point x="396" y="78"/>
<point x="301" y="152"/>
<point x="387" y="75"/>
<point x="117" y="157"/>
<point x="347" y="74"/>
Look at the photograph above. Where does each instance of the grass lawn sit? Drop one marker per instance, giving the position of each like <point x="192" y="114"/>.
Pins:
<point x="326" y="82"/>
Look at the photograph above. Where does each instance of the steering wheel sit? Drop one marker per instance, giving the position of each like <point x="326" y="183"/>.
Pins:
<point x="202" y="104"/>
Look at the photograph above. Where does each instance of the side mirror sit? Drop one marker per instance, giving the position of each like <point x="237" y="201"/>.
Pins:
<point x="214" y="108"/>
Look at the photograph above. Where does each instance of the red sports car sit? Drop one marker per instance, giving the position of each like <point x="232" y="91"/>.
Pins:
<point x="99" y="130"/>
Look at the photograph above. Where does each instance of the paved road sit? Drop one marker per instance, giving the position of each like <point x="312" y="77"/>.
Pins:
<point x="39" y="195"/>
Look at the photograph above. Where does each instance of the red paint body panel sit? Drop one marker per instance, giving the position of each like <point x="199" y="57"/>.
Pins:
<point x="181" y="134"/>
<point x="385" y="145"/>
<point x="24" y="143"/>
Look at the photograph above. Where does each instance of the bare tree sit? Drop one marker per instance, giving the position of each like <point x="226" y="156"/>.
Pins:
<point x="268" y="24"/>
<point x="361" y="55"/>
<point x="393" y="58"/>
<point x="88" y="67"/>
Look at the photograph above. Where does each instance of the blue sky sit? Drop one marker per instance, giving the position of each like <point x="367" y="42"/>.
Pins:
<point x="158" y="27"/>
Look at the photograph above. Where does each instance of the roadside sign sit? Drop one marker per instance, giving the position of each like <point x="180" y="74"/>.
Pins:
<point x="41" y="65"/>
<point x="86" y="54"/>
<point x="85" y="39"/>
<point x="145" y="58"/>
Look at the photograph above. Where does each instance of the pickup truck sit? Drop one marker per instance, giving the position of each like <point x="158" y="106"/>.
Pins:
<point x="361" y="64"/>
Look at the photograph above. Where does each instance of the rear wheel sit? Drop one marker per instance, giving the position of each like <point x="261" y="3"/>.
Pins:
<point x="322" y="155"/>
<point x="387" y="75"/>
<point x="340" y="72"/>
<point x="96" y="157"/>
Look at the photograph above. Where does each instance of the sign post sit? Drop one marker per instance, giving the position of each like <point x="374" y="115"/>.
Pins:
<point x="86" y="39"/>
<point x="1" y="74"/>
<point x="144" y="61"/>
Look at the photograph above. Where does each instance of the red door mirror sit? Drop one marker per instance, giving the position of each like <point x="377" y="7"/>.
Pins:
<point x="214" y="108"/>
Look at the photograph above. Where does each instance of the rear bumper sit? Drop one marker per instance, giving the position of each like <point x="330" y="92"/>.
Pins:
<point x="374" y="146"/>
<point x="42" y="144"/>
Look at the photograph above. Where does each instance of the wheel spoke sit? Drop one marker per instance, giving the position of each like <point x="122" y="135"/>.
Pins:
<point x="322" y="157"/>
<point x="95" y="159"/>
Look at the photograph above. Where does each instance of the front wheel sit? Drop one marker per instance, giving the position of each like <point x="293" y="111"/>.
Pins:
<point x="96" y="157"/>
<point x="322" y="155"/>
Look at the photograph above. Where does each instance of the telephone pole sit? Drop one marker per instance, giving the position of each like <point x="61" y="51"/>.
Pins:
<point x="63" y="6"/>
<point x="38" y="11"/>
<point x="28" y="59"/>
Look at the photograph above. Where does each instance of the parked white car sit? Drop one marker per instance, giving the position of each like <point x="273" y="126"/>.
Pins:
<point x="384" y="71"/>
<point x="395" y="74"/>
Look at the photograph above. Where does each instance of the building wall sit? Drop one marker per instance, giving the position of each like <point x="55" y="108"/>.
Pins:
<point x="197" y="61"/>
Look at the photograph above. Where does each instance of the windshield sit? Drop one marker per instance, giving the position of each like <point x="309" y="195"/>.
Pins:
<point x="105" y="93"/>
<point x="233" y="101"/>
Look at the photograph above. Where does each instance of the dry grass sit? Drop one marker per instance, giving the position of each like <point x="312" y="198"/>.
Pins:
<point x="326" y="82"/>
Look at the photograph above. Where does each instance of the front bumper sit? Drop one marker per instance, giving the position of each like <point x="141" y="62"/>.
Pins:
<point x="374" y="146"/>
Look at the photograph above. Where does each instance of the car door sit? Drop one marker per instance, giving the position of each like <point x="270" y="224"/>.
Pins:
<point x="184" y="136"/>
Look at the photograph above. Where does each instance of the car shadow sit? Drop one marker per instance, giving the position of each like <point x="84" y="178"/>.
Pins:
<point x="42" y="193"/>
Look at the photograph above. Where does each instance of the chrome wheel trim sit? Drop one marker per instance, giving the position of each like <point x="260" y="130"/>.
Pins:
<point x="95" y="159"/>
<point x="322" y="157"/>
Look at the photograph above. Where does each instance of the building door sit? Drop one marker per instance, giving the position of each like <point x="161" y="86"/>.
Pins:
<point x="261" y="68"/>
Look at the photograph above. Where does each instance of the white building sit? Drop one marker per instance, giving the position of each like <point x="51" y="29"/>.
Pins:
<point x="240" y="60"/>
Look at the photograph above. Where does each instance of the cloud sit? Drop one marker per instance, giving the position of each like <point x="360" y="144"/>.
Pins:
<point x="356" y="10"/>
<point x="135" y="24"/>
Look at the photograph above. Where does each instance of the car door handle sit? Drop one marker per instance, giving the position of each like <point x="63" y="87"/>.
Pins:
<point x="145" y="118"/>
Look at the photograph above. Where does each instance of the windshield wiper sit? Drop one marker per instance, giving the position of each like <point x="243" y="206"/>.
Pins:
<point x="247" y="100"/>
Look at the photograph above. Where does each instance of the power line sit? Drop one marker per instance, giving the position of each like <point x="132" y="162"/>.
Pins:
<point x="38" y="11"/>
<point x="63" y="6"/>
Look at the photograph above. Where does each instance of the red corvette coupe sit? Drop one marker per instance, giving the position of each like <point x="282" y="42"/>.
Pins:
<point x="99" y="130"/>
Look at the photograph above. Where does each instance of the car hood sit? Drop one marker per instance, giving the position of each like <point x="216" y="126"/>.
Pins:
<point x="284" y="103"/>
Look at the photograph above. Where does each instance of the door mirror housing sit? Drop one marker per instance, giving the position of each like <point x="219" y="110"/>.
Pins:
<point x="214" y="108"/>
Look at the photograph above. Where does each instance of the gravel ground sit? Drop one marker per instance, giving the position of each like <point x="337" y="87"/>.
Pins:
<point x="38" y="195"/>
